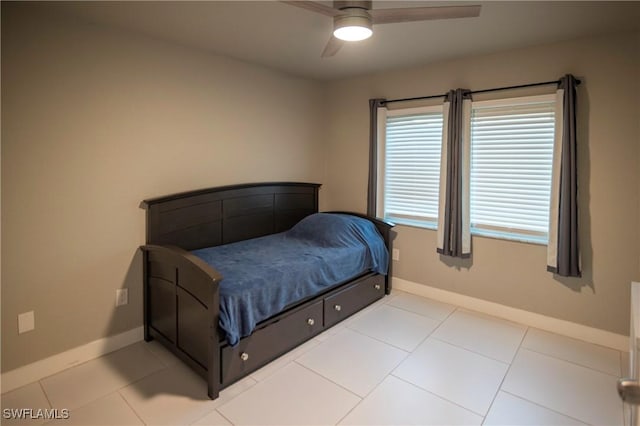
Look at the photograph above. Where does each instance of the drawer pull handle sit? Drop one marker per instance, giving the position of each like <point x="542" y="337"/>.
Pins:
<point x="337" y="307"/>
<point x="244" y="356"/>
<point x="377" y="286"/>
<point x="310" y="321"/>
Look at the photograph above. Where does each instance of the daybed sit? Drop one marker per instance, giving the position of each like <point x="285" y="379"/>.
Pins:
<point x="189" y="232"/>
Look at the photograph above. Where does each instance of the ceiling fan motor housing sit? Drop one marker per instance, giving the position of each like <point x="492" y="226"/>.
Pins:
<point x="352" y="14"/>
<point x="357" y="17"/>
<point x="341" y="5"/>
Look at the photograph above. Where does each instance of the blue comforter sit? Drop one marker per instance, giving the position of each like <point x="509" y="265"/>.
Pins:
<point x="263" y="275"/>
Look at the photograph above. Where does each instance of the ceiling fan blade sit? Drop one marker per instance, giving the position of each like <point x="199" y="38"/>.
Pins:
<point x="333" y="45"/>
<point x="314" y="7"/>
<point x="390" y="16"/>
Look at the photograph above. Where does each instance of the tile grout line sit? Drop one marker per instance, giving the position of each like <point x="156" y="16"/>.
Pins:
<point x="422" y="341"/>
<point x="422" y="315"/>
<point x="362" y="398"/>
<point x="475" y="353"/>
<point x="419" y="344"/>
<point x="355" y="406"/>
<point x="436" y="395"/>
<point x="439" y="325"/>
<point x="222" y="404"/>
<point x="219" y="412"/>
<point x="537" y="404"/>
<point x="44" y="392"/>
<point x="577" y="364"/>
<point x="386" y="343"/>
<point x="216" y="409"/>
<point x="433" y="331"/>
<point x="301" y="354"/>
<point x="147" y="347"/>
<point x="500" y="389"/>
<point x="456" y="309"/>
<point x="470" y="350"/>
<point x="126" y="385"/>
<point x="481" y="312"/>
<point x="76" y="365"/>
<point x="131" y="407"/>
<point x="440" y="322"/>
<point x="389" y="305"/>
<point x="407" y="354"/>
<point x="375" y="387"/>
<point x="570" y="362"/>
<point x="430" y="335"/>
<point x="339" y="385"/>
<point x="520" y="345"/>
<point x="506" y="373"/>
<point x="111" y="391"/>
<point x="410" y="353"/>
<point x="328" y="379"/>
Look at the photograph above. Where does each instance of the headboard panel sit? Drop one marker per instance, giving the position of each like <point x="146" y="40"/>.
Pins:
<point x="222" y="215"/>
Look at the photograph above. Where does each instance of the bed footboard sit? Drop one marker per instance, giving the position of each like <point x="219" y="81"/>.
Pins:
<point x="181" y="308"/>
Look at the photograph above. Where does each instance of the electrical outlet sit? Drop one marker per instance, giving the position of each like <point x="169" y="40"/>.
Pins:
<point x="26" y="322"/>
<point x="395" y="254"/>
<point x="122" y="296"/>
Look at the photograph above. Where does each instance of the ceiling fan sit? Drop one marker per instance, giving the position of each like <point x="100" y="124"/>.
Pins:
<point x="353" y="20"/>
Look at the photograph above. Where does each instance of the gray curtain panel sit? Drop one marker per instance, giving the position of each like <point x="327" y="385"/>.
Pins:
<point x="372" y="189"/>
<point x="454" y="237"/>
<point x="563" y="251"/>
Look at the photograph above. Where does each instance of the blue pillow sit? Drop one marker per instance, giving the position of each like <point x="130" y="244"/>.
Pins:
<point x="331" y="229"/>
<point x="343" y="230"/>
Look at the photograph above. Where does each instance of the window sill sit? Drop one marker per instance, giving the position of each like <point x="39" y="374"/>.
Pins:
<point x="413" y="223"/>
<point x="496" y="235"/>
<point x="520" y="238"/>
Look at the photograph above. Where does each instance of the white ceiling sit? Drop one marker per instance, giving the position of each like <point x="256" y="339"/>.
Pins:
<point x="291" y="39"/>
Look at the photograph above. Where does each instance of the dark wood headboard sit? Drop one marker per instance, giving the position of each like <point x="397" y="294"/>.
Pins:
<point x="222" y="215"/>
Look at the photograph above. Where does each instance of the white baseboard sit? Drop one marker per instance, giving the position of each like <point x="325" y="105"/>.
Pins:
<point x="30" y="373"/>
<point x="555" y="325"/>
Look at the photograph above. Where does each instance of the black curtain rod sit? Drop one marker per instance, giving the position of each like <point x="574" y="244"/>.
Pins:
<point x="521" y="86"/>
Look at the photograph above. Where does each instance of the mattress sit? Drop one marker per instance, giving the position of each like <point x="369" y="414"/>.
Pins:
<point x="262" y="276"/>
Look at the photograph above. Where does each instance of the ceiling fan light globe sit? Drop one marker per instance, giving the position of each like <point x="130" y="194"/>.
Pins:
<point x="352" y="33"/>
<point x="353" y="25"/>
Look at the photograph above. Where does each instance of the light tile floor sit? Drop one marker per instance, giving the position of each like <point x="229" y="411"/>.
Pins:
<point x="403" y="360"/>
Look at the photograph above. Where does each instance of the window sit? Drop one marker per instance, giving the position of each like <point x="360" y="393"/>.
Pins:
<point x="511" y="159"/>
<point x="412" y="140"/>
<point x="511" y="162"/>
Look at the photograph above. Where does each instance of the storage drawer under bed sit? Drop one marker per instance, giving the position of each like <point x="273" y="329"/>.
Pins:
<point x="346" y="302"/>
<point x="268" y="342"/>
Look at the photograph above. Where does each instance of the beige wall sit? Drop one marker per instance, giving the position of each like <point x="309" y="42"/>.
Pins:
<point x="94" y="121"/>
<point x="512" y="273"/>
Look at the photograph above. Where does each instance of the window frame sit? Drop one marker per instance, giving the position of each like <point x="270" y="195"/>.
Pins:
<point x="504" y="233"/>
<point x="432" y="223"/>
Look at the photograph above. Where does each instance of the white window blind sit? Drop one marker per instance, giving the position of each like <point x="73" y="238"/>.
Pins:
<point x="413" y="139"/>
<point x="511" y="159"/>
